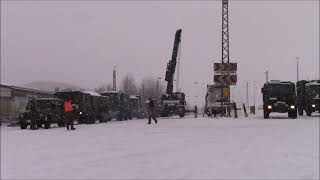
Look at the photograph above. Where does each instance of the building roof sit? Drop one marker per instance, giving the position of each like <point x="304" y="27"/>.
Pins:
<point x="24" y="88"/>
<point x="92" y="93"/>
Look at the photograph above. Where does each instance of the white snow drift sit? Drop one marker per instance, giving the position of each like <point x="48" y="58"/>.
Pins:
<point x="224" y="148"/>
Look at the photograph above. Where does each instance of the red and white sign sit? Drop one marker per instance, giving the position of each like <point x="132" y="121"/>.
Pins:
<point x="225" y="67"/>
<point x="226" y="79"/>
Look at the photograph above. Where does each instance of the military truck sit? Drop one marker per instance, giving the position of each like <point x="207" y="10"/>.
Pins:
<point x="120" y="107"/>
<point x="103" y="109"/>
<point x="45" y="111"/>
<point x="279" y="96"/>
<point x="308" y="93"/>
<point x="85" y="112"/>
<point x="136" y="107"/>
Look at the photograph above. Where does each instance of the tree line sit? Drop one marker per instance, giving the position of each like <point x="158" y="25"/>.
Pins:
<point x="149" y="87"/>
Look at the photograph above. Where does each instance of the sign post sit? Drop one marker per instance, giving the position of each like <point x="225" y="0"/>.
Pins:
<point x="225" y="74"/>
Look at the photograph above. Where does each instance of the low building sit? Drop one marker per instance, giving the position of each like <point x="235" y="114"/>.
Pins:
<point x="14" y="99"/>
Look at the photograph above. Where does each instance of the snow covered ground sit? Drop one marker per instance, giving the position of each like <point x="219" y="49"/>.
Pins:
<point x="189" y="148"/>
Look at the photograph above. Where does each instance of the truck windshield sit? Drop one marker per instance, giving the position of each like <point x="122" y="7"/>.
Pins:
<point x="280" y="89"/>
<point x="314" y="90"/>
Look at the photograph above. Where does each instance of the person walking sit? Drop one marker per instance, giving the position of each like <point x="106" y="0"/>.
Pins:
<point x="68" y="111"/>
<point x="34" y="114"/>
<point x="151" y="111"/>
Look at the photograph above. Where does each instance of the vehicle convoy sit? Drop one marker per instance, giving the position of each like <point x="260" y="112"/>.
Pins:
<point x="214" y="103"/>
<point x="44" y="111"/>
<point x="136" y="105"/>
<point x="172" y="103"/>
<point x="279" y="96"/>
<point x="308" y="93"/>
<point x="119" y="105"/>
<point x="85" y="107"/>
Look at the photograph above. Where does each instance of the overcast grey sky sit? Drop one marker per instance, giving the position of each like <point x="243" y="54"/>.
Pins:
<point x="79" y="42"/>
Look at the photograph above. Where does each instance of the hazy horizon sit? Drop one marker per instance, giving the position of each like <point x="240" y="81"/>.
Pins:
<point x="79" y="42"/>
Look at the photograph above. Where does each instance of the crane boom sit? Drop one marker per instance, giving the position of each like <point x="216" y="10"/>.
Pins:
<point x="171" y="66"/>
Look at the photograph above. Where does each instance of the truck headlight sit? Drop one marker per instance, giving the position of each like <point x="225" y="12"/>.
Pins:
<point x="269" y="107"/>
<point x="292" y="106"/>
<point x="313" y="105"/>
<point x="80" y="112"/>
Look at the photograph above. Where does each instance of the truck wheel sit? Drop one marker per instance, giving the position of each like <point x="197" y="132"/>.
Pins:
<point x="181" y="115"/>
<point x="93" y="120"/>
<point x="39" y="125"/>
<point x="23" y="125"/>
<point x="294" y="115"/>
<point x="308" y="112"/>
<point x="119" y="118"/>
<point x="265" y="115"/>
<point x="63" y="123"/>
<point x="87" y="120"/>
<point x="47" y="124"/>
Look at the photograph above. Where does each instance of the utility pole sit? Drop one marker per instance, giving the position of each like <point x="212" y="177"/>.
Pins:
<point x="297" y="68"/>
<point x="114" y="82"/>
<point x="267" y="75"/>
<point x="248" y="95"/>
<point x="254" y="97"/>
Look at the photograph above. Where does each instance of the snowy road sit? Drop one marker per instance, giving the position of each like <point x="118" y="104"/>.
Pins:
<point x="189" y="148"/>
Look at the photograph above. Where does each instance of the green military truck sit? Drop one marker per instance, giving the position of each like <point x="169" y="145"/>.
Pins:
<point x="136" y="105"/>
<point x="85" y="111"/>
<point x="279" y="96"/>
<point x="308" y="93"/>
<point x="42" y="112"/>
<point x="119" y="105"/>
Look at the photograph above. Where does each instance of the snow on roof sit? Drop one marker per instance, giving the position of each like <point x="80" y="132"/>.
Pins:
<point x="313" y="83"/>
<point x="25" y="88"/>
<point x="274" y="81"/>
<point x="110" y="92"/>
<point x="133" y="97"/>
<point x="92" y="93"/>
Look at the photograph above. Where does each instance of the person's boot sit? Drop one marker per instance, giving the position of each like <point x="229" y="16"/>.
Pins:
<point x="72" y="128"/>
<point x="67" y="127"/>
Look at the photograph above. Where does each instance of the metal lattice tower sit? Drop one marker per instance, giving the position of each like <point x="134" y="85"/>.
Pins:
<point x="225" y="32"/>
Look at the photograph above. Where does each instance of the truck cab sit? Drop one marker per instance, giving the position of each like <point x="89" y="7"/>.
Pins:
<point x="45" y="111"/>
<point x="279" y="96"/>
<point x="312" y="99"/>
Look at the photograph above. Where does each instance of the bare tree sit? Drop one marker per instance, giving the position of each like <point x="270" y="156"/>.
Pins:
<point x="151" y="88"/>
<point x="103" y="87"/>
<point x="128" y="85"/>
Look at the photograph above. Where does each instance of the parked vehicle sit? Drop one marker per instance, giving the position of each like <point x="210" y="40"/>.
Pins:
<point x="85" y="110"/>
<point x="119" y="103"/>
<point x="136" y="105"/>
<point x="279" y="96"/>
<point x="45" y="111"/>
<point x="308" y="93"/>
